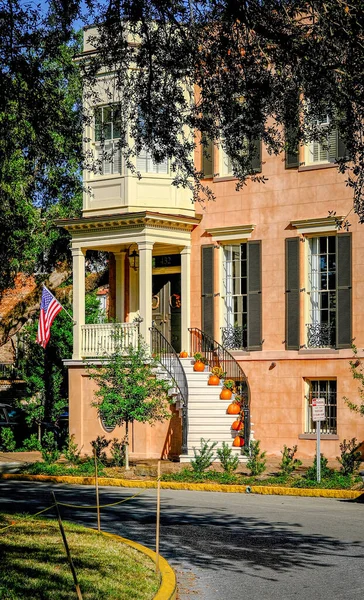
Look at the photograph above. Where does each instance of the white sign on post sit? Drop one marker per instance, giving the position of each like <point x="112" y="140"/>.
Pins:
<point x="318" y="409"/>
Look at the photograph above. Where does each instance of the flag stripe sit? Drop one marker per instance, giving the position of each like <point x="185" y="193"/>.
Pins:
<point x="49" y="309"/>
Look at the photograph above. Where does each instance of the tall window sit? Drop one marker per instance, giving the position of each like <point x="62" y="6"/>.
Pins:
<point x="145" y="164"/>
<point x="226" y="166"/>
<point x="326" y="150"/>
<point x="107" y="134"/>
<point x="235" y="296"/>
<point x="321" y="329"/>
<point x="321" y="388"/>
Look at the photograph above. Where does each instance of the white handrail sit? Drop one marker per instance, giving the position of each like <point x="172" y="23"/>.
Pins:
<point x="102" y="338"/>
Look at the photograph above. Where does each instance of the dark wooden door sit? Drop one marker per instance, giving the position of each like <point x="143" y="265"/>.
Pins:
<point x="167" y="307"/>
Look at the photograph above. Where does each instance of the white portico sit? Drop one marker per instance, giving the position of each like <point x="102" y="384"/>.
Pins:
<point x="152" y="275"/>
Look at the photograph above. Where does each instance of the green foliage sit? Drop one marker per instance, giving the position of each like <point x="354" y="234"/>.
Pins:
<point x="99" y="445"/>
<point x="50" y="452"/>
<point x="40" y="139"/>
<point x="289" y="463"/>
<point x="85" y="468"/>
<point x="7" y="440"/>
<point x="204" y="456"/>
<point x="350" y="457"/>
<point x="325" y="470"/>
<point x="229" y="462"/>
<point x="333" y="481"/>
<point x="71" y="451"/>
<point x="117" y="452"/>
<point x="32" y="444"/>
<point x="256" y="463"/>
<point x="357" y="371"/>
<point x="229" y="384"/>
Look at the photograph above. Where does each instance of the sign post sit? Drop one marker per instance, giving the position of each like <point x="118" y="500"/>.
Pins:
<point x="318" y="415"/>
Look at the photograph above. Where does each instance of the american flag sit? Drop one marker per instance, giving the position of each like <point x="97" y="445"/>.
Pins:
<point x="49" y="309"/>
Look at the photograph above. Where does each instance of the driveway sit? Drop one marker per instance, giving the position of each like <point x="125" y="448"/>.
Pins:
<point x="228" y="545"/>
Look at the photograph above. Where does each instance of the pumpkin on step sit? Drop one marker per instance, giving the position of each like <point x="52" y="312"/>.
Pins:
<point x="238" y="442"/>
<point x="213" y="380"/>
<point x="225" y="394"/>
<point x="237" y="425"/>
<point x="183" y="354"/>
<point x="233" y="408"/>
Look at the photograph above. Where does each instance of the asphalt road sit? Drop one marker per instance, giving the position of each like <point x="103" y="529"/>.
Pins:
<point x="231" y="546"/>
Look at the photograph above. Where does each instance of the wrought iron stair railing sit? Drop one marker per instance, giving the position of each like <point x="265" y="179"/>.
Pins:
<point x="217" y="356"/>
<point x="168" y="357"/>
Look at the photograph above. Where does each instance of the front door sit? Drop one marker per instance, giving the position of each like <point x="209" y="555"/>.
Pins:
<point x="166" y="304"/>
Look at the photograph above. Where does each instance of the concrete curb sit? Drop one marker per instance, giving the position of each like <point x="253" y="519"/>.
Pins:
<point x="168" y="587"/>
<point x="197" y="487"/>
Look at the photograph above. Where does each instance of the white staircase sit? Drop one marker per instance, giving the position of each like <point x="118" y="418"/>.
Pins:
<point x="207" y="416"/>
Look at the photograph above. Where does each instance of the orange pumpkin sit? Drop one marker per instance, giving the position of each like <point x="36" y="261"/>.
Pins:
<point x="199" y="366"/>
<point x="225" y="394"/>
<point x="183" y="354"/>
<point x="237" y="426"/>
<point x="233" y="409"/>
<point x="238" y="442"/>
<point x="213" y="380"/>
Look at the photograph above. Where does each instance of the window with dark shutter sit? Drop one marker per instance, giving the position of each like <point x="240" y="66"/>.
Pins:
<point x="254" y="296"/>
<point x="207" y="162"/>
<point x="343" y="291"/>
<point x="207" y="288"/>
<point x="292" y="294"/>
<point x="292" y="152"/>
<point x="257" y="156"/>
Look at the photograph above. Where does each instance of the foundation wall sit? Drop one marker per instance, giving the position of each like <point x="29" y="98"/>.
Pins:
<point x="161" y="440"/>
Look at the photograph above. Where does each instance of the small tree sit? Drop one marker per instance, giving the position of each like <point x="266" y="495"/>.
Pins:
<point x="357" y="372"/>
<point x="128" y="389"/>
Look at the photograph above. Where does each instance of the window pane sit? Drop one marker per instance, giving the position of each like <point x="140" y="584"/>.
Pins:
<point x="332" y="244"/>
<point x="323" y="245"/>
<point x="332" y="281"/>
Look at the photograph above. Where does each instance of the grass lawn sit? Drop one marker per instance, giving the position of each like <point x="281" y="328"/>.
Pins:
<point x="33" y="564"/>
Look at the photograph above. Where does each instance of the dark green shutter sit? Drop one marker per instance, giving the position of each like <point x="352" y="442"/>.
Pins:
<point x="292" y="152"/>
<point x="343" y="291"/>
<point x="207" y="288"/>
<point x="254" y="296"/>
<point x="207" y="163"/>
<point x="292" y="294"/>
<point x="341" y="148"/>
<point x="257" y="156"/>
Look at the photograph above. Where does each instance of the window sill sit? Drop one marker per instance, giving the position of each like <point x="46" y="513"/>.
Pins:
<point x="315" y="166"/>
<point x="224" y="178"/>
<point x="323" y="436"/>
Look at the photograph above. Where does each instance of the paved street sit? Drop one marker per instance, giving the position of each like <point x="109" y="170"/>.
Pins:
<point x="229" y="545"/>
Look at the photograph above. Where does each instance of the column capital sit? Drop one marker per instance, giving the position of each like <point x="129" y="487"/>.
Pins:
<point x="186" y="250"/>
<point x="78" y="251"/>
<point x="145" y="245"/>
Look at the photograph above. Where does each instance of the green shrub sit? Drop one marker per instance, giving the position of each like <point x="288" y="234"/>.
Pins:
<point x="32" y="444"/>
<point x="99" y="446"/>
<point x="228" y="460"/>
<point x="350" y="456"/>
<point x="289" y="463"/>
<point x="117" y="452"/>
<point x="256" y="463"/>
<point x="71" y="451"/>
<point x="204" y="457"/>
<point x="50" y="452"/>
<point x="335" y="481"/>
<point x="326" y="472"/>
<point x="7" y="440"/>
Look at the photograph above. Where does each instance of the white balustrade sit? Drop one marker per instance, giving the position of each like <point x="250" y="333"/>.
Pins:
<point x="103" y="338"/>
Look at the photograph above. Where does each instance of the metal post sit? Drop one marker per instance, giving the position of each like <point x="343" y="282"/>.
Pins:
<point x="158" y="517"/>
<point x="318" y="451"/>
<point x="78" y="591"/>
<point x="97" y="494"/>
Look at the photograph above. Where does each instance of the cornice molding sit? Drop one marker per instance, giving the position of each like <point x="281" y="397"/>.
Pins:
<point x="319" y="224"/>
<point x="128" y="221"/>
<point x="231" y="233"/>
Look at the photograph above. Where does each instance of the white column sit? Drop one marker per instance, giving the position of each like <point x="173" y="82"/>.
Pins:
<point x="185" y="297"/>
<point x="120" y="286"/>
<point x="78" y="259"/>
<point x="145" y="287"/>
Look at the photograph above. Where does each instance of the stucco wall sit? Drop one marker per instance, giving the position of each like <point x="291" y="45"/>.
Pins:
<point x="277" y="394"/>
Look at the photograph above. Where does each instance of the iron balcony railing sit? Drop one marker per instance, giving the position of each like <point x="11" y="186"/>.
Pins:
<point x="218" y="356"/>
<point x="234" y="337"/>
<point x="320" y="335"/>
<point x="168" y="357"/>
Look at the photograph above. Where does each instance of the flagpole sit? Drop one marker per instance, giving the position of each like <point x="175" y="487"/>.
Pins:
<point x="63" y="308"/>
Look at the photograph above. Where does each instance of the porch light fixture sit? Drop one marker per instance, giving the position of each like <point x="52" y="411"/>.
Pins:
<point x="133" y="259"/>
